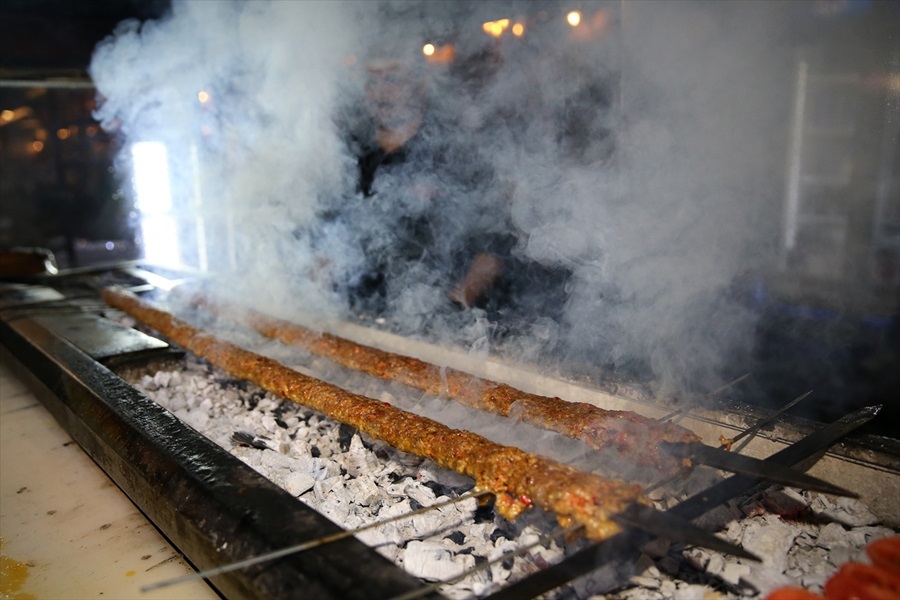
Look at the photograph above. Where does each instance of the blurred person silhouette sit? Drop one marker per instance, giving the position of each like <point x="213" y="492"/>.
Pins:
<point x="420" y="194"/>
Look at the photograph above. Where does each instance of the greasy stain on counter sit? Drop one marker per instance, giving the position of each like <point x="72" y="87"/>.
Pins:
<point x="12" y="577"/>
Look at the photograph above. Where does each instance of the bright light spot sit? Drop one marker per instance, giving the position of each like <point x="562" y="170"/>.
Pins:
<point x="37" y="146"/>
<point x="159" y="240"/>
<point x="109" y="246"/>
<point x="495" y="28"/>
<point x="63" y="134"/>
<point x="203" y="97"/>
<point x="154" y="201"/>
<point x="7" y="115"/>
<point x="439" y="54"/>
<point x="518" y="29"/>
<point x="151" y="177"/>
<point x="573" y="18"/>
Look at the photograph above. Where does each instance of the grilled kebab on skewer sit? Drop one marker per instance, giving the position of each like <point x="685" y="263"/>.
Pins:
<point x="640" y="438"/>
<point x="665" y="446"/>
<point x="518" y="479"/>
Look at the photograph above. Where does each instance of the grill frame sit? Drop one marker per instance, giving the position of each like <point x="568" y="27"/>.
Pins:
<point x="229" y="502"/>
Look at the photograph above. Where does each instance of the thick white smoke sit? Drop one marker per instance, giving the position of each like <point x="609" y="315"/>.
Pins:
<point x="632" y="159"/>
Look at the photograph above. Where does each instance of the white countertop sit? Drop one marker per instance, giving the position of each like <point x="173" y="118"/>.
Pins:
<point x="67" y="530"/>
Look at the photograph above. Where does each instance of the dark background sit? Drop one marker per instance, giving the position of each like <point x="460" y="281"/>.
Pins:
<point x="57" y="183"/>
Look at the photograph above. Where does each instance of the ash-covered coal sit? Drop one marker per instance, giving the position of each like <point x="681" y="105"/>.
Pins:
<point x="802" y="538"/>
<point x="301" y="451"/>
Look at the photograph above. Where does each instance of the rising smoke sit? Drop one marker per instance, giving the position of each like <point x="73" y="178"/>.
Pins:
<point x="631" y="159"/>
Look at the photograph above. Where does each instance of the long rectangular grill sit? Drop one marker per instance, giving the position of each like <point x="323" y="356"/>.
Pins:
<point x="195" y="491"/>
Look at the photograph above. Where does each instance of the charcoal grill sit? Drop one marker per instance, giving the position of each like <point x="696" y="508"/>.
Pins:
<point x="215" y="509"/>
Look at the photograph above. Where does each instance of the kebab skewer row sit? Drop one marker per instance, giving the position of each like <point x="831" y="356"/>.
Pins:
<point x="638" y="437"/>
<point x="516" y="478"/>
<point x="648" y="442"/>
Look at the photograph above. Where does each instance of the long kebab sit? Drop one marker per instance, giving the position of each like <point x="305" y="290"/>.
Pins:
<point x="640" y="438"/>
<point x="517" y="479"/>
<point x="666" y="446"/>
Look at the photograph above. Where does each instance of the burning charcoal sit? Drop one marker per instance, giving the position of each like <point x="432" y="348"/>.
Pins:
<point x="499" y="534"/>
<point x="698" y="558"/>
<point x="421" y="494"/>
<point x="322" y="469"/>
<point x="398" y="477"/>
<point x="439" y="489"/>
<point x="733" y="572"/>
<point x="364" y="491"/>
<point x="869" y="534"/>
<point x="484" y="513"/>
<point x="765" y="579"/>
<point x="345" y="435"/>
<point x="275" y="460"/>
<point x="851" y="512"/>
<point x="770" y="539"/>
<point x="841" y="554"/>
<point x="754" y="508"/>
<point x="162" y="378"/>
<point x="148" y="384"/>
<point x="457" y="537"/>
<point x="735" y="531"/>
<point x="357" y="459"/>
<point x="433" y="562"/>
<point x="667" y="588"/>
<point x="248" y="439"/>
<point x="645" y="582"/>
<point x="268" y="423"/>
<point x="298" y="483"/>
<point x="831" y="536"/>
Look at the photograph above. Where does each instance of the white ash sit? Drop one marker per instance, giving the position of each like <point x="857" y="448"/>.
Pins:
<point x="352" y="479"/>
<point x="355" y="480"/>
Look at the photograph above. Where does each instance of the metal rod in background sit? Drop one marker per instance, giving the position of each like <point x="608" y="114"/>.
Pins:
<point x="684" y="409"/>
<point x="768" y="419"/>
<point x="62" y="84"/>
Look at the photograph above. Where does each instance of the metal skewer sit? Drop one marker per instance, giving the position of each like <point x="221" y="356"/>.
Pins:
<point x="755" y="467"/>
<point x="644" y="518"/>
<point x="681" y="411"/>
<point x="624" y="546"/>
<point x="747" y="465"/>
<point x="766" y="420"/>
<point x="247" y="562"/>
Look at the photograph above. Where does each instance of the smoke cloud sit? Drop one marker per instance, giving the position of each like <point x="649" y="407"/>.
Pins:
<point x="627" y="162"/>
